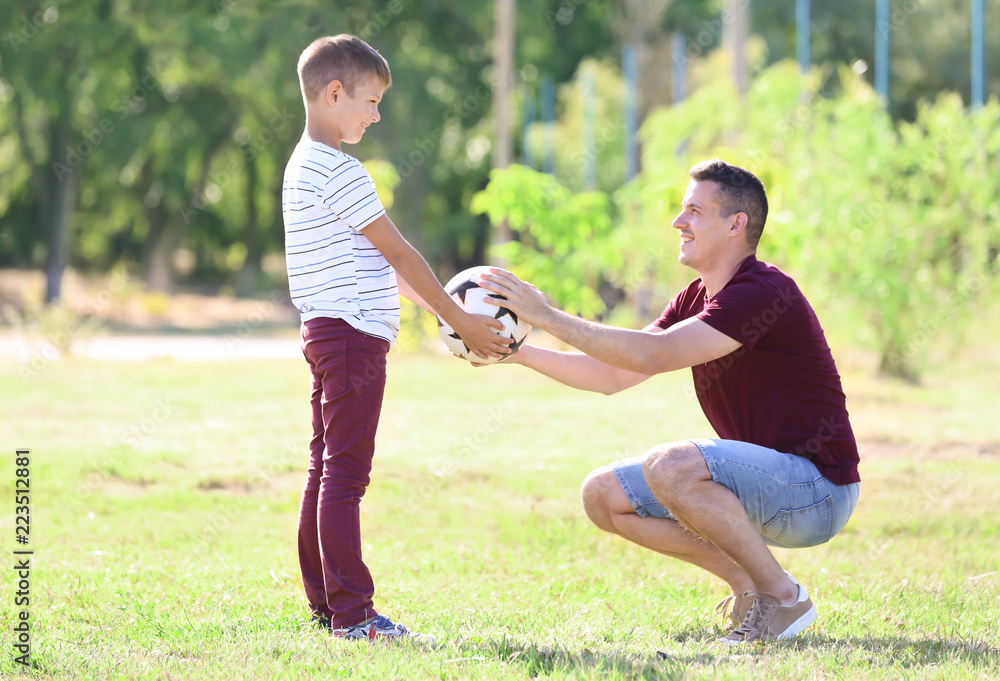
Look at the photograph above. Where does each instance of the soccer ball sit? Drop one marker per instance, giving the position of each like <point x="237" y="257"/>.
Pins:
<point x="464" y="288"/>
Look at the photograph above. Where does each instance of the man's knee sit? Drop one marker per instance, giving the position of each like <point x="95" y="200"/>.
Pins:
<point x="595" y="494"/>
<point x="669" y="467"/>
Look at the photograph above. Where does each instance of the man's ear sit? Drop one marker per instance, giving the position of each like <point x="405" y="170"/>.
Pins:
<point x="334" y="90"/>
<point x="739" y="224"/>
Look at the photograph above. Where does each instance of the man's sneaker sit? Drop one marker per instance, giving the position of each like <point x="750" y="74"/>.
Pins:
<point x="769" y="619"/>
<point x="735" y="607"/>
<point x="378" y="627"/>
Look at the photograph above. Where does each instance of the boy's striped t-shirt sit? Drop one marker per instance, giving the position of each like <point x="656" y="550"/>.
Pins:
<point x="327" y="199"/>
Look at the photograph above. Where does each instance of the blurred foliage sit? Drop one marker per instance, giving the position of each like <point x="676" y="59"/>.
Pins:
<point x="566" y="238"/>
<point x="165" y="127"/>
<point x="153" y="136"/>
<point x="896" y="220"/>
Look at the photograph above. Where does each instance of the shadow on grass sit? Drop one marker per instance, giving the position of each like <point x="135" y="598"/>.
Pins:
<point x="882" y="651"/>
<point x="542" y="660"/>
<point x="899" y="652"/>
<point x="906" y="651"/>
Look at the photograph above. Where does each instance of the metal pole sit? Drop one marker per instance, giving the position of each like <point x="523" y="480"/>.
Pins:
<point x="735" y="35"/>
<point x="977" y="55"/>
<point x="630" y="72"/>
<point x="802" y="34"/>
<point x="882" y="50"/>
<point x="548" y="96"/>
<point x="503" y="65"/>
<point x="588" y="91"/>
<point x="527" y="123"/>
<point x="678" y="76"/>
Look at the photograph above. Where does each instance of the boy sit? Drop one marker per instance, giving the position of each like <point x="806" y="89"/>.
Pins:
<point x="347" y="264"/>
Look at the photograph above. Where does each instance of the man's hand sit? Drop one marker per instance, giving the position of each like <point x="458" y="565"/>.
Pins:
<point x="643" y="353"/>
<point x="524" y="299"/>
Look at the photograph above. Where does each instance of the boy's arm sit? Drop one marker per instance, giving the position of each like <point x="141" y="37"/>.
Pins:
<point x="407" y="292"/>
<point x="479" y="332"/>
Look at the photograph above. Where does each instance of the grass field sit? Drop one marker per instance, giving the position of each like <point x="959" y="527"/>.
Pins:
<point x="163" y="512"/>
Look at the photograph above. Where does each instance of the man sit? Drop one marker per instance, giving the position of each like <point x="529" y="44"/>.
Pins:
<point x="783" y="470"/>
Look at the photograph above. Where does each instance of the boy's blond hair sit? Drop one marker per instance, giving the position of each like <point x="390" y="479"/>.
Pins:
<point x="343" y="57"/>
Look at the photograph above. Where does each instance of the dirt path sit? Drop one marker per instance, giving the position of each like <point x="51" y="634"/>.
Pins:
<point x="139" y="348"/>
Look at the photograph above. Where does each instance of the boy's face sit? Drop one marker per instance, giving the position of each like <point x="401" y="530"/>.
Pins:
<point x="352" y="114"/>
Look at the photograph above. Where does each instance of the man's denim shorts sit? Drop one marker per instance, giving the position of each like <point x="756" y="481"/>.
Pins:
<point x="792" y="505"/>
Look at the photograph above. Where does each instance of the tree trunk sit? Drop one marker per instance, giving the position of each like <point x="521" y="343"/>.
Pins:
<point x="157" y="252"/>
<point x="246" y="278"/>
<point x="170" y="232"/>
<point x="60" y="204"/>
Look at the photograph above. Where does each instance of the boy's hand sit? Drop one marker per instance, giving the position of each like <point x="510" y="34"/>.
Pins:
<point x="482" y="334"/>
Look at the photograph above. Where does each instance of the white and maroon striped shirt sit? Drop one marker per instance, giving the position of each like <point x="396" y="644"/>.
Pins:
<point x="333" y="269"/>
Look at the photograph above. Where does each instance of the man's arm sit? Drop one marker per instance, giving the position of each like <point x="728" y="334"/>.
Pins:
<point x="576" y="370"/>
<point x="479" y="332"/>
<point x="685" y="344"/>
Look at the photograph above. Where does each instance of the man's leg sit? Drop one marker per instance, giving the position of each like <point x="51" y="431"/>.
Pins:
<point x="608" y="507"/>
<point x="679" y="478"/>
<point x="736" y="495"/>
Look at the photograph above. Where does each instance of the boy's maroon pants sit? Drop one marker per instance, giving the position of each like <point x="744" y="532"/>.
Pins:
<point x="348" y="382"/>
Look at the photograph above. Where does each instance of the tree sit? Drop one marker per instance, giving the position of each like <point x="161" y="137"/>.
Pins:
<point x="894" y="225"/>
<point x="57" y="60"/>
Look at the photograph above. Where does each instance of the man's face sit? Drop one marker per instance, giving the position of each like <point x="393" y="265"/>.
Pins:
<point x="356" y="112"/>
<point x="702" y="229"/>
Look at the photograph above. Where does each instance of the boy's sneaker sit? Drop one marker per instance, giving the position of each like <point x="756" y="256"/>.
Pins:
<point x="768" y="619"/>
<point x="378" y="627"/>
<point x="319" y="620"/>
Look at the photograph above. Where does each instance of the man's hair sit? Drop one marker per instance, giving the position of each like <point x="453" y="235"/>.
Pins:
<point x="738" y="191"/>
<point x="343" y="57"/>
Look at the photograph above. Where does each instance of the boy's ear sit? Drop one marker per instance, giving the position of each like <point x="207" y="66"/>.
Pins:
<point x="334" y="89"/>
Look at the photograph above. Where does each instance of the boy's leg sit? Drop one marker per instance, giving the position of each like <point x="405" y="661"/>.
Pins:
<point x="351" y="369"/>
<point x="310" y="559"/>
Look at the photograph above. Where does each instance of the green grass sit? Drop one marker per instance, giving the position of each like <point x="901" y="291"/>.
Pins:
<point x="164" y="513"/>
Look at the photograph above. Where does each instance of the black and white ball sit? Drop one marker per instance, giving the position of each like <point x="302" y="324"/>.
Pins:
<point x="464" y="288"/>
